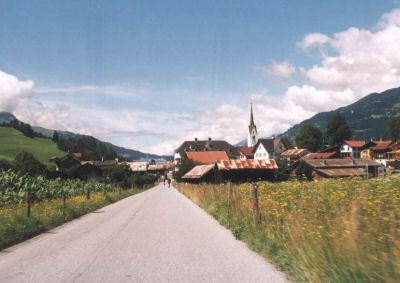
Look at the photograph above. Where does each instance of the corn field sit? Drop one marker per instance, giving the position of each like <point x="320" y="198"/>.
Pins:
<point x="13" y="188"/>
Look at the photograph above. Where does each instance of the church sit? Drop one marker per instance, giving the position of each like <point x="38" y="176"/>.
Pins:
<point x="262" y="149"/>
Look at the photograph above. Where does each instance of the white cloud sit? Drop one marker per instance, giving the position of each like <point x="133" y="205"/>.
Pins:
<point x="277" y="70"/>
<point x="313" y="39"/>
<point x="13" y="91"/>
<point x="94" y="89"/>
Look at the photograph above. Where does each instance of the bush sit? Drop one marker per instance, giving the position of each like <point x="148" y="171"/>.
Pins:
<point x="26" y="163"/>
<point x="5" y="164"/>
<point x="117" y="174"/>
<point x="283" y="172"/>
<point x="303" y="171"/>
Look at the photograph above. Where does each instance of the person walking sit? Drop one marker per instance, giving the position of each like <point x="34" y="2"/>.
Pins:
<point x="169" y="182"/>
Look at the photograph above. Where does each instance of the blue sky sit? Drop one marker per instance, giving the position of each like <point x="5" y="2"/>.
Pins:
<point x="159" y="68"/>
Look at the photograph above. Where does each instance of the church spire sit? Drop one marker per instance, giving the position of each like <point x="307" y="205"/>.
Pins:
<point x="251" y="115"/>
<point x="252" y="137"/>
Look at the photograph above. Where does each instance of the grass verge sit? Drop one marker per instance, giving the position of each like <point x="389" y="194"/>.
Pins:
<point x="16" y="227"/>
<point x="338" y="230"/>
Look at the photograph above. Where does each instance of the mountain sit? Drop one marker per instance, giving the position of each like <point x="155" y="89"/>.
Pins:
<point x="121" y="151"/>
<point x="367" y="118"/>
<point x="12" y="142"/>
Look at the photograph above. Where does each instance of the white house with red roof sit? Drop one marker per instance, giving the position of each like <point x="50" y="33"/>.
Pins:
<point x="351" y="149"/>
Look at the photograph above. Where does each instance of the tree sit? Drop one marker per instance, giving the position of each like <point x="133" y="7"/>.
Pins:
<point x="303" y="171"/>
<point x="26" y="163"/>
<point x="55" y="137"/>
<point x="117" y="174"/>
<point x="309" y="137"/>
<point x="338" y="130"/>
<point x="283" y="172"/>
<point x="394" y="127"/>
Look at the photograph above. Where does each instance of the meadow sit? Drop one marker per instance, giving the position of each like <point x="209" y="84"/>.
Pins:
<point x="334" y="230"/>
<point x="12" y="142"/>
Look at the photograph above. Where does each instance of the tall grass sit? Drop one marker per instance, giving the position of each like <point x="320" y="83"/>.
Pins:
<point x="335" y="230"/>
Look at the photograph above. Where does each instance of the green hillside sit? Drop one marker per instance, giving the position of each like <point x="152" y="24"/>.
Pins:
<point x="12" y="142"/>
<point x="367" y="118"/>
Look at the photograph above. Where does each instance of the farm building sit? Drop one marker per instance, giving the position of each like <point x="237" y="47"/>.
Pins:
<point x="294" y="155"/>
<point x="247" y="170"/>
<point x="343" y="167"/>
<point x="320" y="155"/>
<point x="201" y="173"/>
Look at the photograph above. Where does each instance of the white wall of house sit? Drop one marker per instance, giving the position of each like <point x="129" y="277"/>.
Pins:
<point x="177" y="158"/>
<point x="261" y="153"/>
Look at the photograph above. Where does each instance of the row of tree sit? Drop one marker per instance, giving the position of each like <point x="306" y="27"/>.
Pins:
<point x="89" y="147"/>
<point x="337" y="130"/>
<point x="24" y="128"/>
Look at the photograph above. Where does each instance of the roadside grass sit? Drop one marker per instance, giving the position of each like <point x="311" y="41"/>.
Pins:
<point x="16" y="227"/>
<point x="335" y="230"/>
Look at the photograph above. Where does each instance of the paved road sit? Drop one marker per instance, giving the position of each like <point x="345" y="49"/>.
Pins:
<point x="155" y="236"/>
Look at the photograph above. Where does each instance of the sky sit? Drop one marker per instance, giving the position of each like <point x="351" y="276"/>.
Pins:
<point x="148" y="75"/>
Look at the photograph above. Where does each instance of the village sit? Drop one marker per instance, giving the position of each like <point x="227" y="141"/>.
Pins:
<point x="216" y="161"/>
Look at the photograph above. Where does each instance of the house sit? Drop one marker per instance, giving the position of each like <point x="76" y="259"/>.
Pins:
<point x="271" y="148"/>
<point x="246" y="152"/>
<point x="351" y="149"/>
<point x="205" y="145"/>
<point x="343" y="167"/>
<point x="104" y="164"/>
<point x="66" y="163"/>
<point x="207" y="157"/>
<point x="394" y="154"/>
<point x="378" y="151"/>
<point x="89" y="172"/>
<point x="294" y="155"/>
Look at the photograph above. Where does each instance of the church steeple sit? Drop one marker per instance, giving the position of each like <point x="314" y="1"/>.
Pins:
<point x="252" y="137"/>
<point x="251" y="116"/>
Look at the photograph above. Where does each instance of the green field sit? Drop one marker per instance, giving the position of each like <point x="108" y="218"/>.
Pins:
<point x="12" y="142"/>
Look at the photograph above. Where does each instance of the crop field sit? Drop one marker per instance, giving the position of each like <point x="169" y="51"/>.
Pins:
<point x="47" y="207"/>
<point x="12" y="142"/>
<point x="334" y="230"/>
<point x="13" y="188"/>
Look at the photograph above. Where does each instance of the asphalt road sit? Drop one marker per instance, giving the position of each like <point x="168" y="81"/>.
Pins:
<point x="155" y="236"/>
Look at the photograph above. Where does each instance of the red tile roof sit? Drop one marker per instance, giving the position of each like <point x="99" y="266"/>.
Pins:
<point x="319" y="155"/>
<point x="207" y="156"/>
<point x="156" y="167"/>
<point x="77" y="154"/>
<point x="246" y="150"/>
<point x="294" y="152"/>
<point x="198" y="171"/>
<point x="246" y="164"/>
<point x="382" y="145"/>
<point x="355" y="143"/>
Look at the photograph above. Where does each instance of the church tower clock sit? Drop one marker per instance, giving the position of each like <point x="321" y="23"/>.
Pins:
<point x="252" y="137"/>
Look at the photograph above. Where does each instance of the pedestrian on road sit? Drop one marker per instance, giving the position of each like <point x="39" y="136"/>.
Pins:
<point x="169" y="182"/>
<point x="164" y="180"/>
